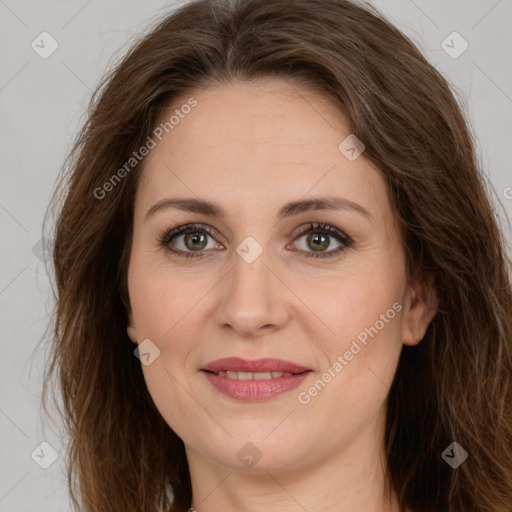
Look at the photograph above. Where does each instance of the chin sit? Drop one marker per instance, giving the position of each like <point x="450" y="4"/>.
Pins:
<point x="250" y="450"/>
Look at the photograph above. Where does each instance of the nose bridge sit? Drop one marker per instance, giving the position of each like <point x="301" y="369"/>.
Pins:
<point x="252" y="297"/>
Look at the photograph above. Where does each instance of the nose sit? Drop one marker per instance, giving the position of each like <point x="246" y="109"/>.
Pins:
<point x="253" y="298"/>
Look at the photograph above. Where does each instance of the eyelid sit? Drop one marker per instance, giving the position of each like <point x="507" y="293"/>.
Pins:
<point x="170" y="233"/>
<point x="320" y="226"/>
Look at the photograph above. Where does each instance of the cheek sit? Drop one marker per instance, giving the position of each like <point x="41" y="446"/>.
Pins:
<point x="359" y="338"/>
<point x="162" y="300"/>
<point x="166" y="388"/>
<point x="164" y="312"/>
<point x="346" y="306"/>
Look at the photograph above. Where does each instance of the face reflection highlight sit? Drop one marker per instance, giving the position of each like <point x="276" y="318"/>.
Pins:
<point x="258" y="277"/>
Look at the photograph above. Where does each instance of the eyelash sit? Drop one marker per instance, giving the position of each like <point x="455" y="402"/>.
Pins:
<point x="321" y="228"/>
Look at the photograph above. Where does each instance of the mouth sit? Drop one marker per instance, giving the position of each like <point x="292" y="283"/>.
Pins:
<point x="254" y="380"/>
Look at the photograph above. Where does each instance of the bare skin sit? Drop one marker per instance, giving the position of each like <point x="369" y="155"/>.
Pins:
<point x="250" y="148"/>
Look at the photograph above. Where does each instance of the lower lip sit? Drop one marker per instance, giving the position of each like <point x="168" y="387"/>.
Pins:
<point x="255" y="390"/>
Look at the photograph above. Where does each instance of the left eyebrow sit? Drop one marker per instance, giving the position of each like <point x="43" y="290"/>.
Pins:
<point x="322" y="203"/>
<point x="191" y="204"/>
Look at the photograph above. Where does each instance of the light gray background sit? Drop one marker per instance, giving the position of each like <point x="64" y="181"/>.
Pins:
<point x="42" y="104"/>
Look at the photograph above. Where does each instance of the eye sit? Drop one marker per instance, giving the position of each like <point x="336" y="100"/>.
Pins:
<point x="190" y="240"/>
<point x="319" y="238"/>
<point x="194" y="238"/>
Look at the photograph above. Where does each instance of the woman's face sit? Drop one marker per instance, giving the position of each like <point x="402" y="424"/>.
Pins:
<point x="253" y="280"/>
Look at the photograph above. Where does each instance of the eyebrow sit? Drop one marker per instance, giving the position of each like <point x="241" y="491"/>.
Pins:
<point x="194" y="205"/>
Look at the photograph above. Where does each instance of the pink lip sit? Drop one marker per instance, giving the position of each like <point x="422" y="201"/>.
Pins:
<point x="236" y="364"/>
<point x="254" y="390"/>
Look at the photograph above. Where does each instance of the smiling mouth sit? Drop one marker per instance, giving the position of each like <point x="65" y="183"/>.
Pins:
<point x="254" y="380"/>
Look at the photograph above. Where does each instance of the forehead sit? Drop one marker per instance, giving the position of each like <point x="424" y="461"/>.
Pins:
<point x="273" y="113"/>
<point x="264" y="139"/>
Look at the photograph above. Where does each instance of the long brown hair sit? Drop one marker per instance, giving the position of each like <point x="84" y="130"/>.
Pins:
<point x="455" y="386"/>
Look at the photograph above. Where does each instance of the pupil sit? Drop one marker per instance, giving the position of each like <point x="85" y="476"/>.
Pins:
<point x="194" y="238"/>
<point x="321" y="246"/>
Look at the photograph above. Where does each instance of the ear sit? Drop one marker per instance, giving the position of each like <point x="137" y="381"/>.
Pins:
<point x="132" y="334"/>
<point x="421" y="307"/>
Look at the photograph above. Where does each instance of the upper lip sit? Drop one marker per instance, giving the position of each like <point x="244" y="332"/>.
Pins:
<point x="237" y="364"/>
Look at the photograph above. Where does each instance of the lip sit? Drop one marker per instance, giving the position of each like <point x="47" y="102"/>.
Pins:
<point x="267" y="364"/>
<point x="254" y="390"/>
